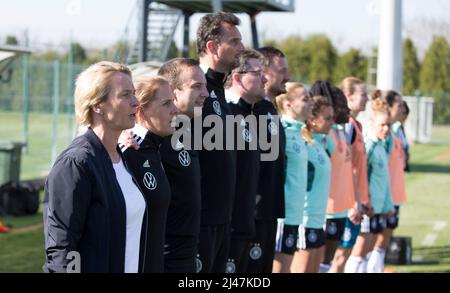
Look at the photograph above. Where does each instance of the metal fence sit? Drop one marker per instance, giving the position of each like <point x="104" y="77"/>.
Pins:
<point x="44" y="87"/>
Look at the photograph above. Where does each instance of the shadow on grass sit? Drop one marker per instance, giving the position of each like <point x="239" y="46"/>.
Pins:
<point x="429" y="168"/>
<point x="433" y="255"/>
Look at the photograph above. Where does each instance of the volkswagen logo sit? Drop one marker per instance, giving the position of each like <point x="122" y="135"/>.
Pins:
<point x="150" y="181"/>
<point x="217" y="109"/>
<point x="273" y="129"/>
<point x="185" y="158"/>
<point x="246" y="135"/>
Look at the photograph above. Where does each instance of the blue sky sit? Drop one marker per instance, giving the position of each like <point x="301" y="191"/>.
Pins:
<point x="99" y="23"/>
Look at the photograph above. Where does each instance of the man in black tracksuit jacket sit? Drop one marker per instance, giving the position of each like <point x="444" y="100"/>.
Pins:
<point x="182" y="166"/>
<point x="245" y="87"/>
<point x="219" y="46"/>
<point x="270" y="198"/>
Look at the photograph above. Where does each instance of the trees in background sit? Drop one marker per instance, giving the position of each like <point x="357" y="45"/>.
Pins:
<point x="310" y="58"/>
<point x="11" y="40"/>
<point x="411" y="68"/>
<point x="351" y="63"/>
<point x="435" y="74"/>
<point x="435" y="78"/>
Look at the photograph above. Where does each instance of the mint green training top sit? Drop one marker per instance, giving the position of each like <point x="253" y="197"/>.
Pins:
<point x="319" y="175"/>
<point x="378" y="173"/>
<point x="396" y="126"/>
<point x="296" y="171"/>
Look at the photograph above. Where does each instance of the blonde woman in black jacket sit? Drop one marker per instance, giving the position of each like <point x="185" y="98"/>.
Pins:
<point x="154" y="122"/>
<point x="93" y="210"/>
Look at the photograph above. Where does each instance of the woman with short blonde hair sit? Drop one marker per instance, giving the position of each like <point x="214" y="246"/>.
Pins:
<point x="93" y="211"/>
<point x="93" y="86"/>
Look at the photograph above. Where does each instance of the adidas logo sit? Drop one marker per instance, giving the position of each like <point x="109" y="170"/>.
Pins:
<point x="146" y="164"/>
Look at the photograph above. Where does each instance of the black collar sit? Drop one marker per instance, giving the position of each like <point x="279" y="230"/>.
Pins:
<point x="244" y="105"/>
<point x="152" y="141"/>
<point x="216" y="78"/>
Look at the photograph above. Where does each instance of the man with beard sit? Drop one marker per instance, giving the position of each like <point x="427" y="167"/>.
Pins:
<point x="270" y="195"/>
<point x="219" y="46"/>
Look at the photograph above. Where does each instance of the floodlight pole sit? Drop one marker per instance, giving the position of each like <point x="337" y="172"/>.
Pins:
<point x="55" y="111"/>
<point x="26" y="94"/>
<point x="254" y="30"/>
<point x="144" y="30"/>
<point x="217" y="5"/>
<point x="187" y="16"/>
<point x="390" y="60"/>
<point x="69" y="99"/>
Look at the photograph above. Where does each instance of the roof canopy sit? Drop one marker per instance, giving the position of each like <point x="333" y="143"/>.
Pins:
<point x="234" y="6"/>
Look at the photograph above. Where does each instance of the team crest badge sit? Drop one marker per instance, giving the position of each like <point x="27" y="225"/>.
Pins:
<point x="312" y="236"/>
<point x="230" y="267"/>
<point x="255" y="252"/>
<point x="290" y="241"/>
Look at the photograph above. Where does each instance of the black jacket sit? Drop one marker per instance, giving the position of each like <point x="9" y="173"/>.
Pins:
<point x="247" y="175"/>
<point x="183" y="171"/>
<point x="84" y="210"/>
<point x="145" y="165"/>
<point x="270" y="205"/>
<point x="218" y="167"/>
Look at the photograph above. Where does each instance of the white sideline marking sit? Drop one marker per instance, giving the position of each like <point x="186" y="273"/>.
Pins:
<point x="429" y="240"/>
<point x="431" y="237"/>
<point x="439" y="225"/>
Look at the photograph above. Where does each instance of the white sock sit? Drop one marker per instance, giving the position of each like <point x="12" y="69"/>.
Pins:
<point x="363" y="266"/>
<point x="324" y="268"/>
<point x="352" y="265"/>
<point x="382" y="254"/>
<point x="376" y="261"/>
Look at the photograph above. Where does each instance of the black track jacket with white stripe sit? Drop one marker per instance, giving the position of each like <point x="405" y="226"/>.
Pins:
<point x="145" y="165"/>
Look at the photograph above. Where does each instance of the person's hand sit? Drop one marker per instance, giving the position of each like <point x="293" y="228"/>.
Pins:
<point x="368" y="210"/>
<point x="126" y="139"/>
<point x="391" y="213"/>
<point x="355" y="216"/>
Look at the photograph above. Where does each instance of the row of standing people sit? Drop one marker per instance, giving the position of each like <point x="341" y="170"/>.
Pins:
<point x="151" y="204"/>
<point x="143" y="204"/>
<point x="344" y="176"/>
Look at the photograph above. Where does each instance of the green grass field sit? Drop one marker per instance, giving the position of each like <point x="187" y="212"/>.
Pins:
<point x="424" y="216"/>
<point x="428" y="187"/>
<point x="37" y="162"/>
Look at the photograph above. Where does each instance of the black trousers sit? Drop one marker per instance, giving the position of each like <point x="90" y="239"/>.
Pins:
<point x="238" y="257"/>
<point x="262" y="247"/>
<point x="180" y="254"/>
<point x="213" y="248"/>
